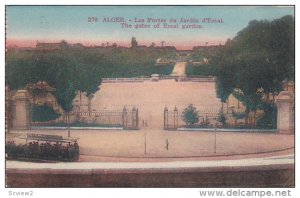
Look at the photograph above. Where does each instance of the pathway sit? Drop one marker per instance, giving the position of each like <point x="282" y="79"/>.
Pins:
<point x="179" y="69"/>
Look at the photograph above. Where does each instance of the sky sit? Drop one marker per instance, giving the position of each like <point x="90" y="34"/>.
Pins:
<point x="25" y="25"/>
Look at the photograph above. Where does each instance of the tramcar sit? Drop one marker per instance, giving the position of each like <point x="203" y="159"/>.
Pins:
<point x="40" y="147"/>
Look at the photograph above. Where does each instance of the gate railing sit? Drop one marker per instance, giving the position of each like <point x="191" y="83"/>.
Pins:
<point x="173" y="118"/>
<point x="127" y="118"/>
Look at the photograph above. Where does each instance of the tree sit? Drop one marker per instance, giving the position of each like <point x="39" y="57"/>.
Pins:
<point x="225" y="82"/>
<point x="190" y="115"/>
<point x="152" y="45"/>
<point x="114" y="45"/>
<point x="269" y="117"/>
<point x="257" y="61"/>
<point x="134" y="43"/>
<point x="89" y="81"/>
<point x="222" y="118"/>
<point x="65" y="95"/>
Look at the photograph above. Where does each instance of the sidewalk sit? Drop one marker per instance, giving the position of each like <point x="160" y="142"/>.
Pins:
<point x="135" y="166"/>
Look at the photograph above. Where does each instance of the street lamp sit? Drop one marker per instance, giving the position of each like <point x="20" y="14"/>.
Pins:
<point x="145" y="143"/>
<point x="215" y="143"/>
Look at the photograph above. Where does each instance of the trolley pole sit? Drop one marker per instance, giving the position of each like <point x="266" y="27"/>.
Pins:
<point x="68" y="125"/>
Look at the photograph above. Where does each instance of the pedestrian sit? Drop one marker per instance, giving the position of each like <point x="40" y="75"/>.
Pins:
<point x="167" y="144"/>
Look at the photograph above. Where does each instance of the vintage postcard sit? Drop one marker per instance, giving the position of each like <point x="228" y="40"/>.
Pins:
<point x="150" y="96"/>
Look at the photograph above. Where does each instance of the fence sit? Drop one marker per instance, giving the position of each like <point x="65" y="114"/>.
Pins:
<point x="189" y="78"/>
<point x="162" y="77"/>
<point x="173" y="118"/>
<point x="120" y="80"/>
<point x="127" y="118"/>
<point x="99" y="117"/>
<point x="208" y="79"/>
<point x="130" y="119"/>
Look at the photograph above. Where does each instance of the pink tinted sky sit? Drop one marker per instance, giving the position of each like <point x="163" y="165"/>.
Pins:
<point x="181" y="45"/>
<point x="28" y="24"/>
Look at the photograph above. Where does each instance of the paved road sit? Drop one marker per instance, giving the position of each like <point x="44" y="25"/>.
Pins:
<point x="118" y="143"/>
<point x="265" y="161"/>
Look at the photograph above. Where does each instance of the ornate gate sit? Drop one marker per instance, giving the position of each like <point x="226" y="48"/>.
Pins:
<point x="170" y="119"/>
<point x="130" y="118"/>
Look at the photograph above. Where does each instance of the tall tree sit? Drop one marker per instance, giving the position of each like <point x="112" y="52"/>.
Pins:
<point x="134" y="43"/>
<point x="65" y="95"/>
<point x="257" y="61"/>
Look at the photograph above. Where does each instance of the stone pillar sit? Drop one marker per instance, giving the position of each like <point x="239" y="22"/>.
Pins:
<point x="285" y="117"/>
<point x="166" y="118"/>
<point x="21" y="116"/>
<point x="8" y="109"/>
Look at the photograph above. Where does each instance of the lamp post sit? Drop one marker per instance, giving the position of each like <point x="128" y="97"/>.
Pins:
<point x="215" y="143"/>
<point x="145" y="143"/>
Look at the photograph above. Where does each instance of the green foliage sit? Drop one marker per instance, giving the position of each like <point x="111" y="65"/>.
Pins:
<point x="134" y="43"/>
<point x="197" y="56"/>
<point x="269" y="117"/>
<point x="222" y="118"/>
<point x="204" y="52"/>
<point x="201" y="70"/>
<point x="223" y="88"/>
<point x="65" y="93"/>
<point x="256" y="61"/>
<point x="190" y="115"/>
<point x="43" y="113"/>
<point x="83" y="68"/>
<point x="84" y="124"/>
<point x="238" y="115"/>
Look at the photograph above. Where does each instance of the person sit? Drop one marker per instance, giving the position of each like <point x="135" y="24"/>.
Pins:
<point x="64" y="152"/>
<point x="167" y="144"/>
<point x="76" y="145"/>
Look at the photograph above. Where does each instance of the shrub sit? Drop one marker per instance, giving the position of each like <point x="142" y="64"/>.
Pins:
<point x="238" y="115"/>
<point x="222" y="118"/>
<point x="190" y="115"/>
<point x="43" y="113"/>
<point x="269" y="117"/>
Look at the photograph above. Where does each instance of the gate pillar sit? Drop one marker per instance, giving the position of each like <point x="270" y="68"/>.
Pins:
<point x="175" y="118"/>
<point x="21" y="116"/>
<point x="166" y="118"/>
<point x="285" y="117"/>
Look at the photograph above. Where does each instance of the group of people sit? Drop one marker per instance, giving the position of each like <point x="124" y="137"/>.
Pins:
<point x="44" y="150"/>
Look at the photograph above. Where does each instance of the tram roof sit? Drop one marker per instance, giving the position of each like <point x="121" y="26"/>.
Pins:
<point x="50" y="138"/>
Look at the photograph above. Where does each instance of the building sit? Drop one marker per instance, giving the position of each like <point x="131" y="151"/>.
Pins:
<point x="52" y="46"/>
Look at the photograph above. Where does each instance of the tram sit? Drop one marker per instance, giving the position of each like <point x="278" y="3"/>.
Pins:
<point x="40" y="147"/>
